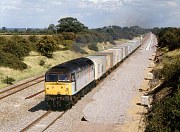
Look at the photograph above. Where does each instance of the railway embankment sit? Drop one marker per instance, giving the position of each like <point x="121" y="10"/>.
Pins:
<point x="164" y="88"/>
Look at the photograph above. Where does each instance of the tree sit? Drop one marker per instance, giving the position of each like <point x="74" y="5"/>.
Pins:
<point x="4" y="29"/>
<point x="169" y="37"/>
<point x="51" y="28"/>
<point x="70" y="24"/>
<point x="46" y="46"/>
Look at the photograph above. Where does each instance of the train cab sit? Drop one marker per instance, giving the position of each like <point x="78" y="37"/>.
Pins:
<point x="67" y="79"/>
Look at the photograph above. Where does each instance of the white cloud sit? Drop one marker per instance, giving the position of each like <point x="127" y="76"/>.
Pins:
<point x="10" y="5"/>
<point x="93" y="13"/>
<point x="99" y="1"/>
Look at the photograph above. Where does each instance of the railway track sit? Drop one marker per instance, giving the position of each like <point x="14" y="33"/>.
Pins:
<point x="20" y="87"/>
<point x="31" y="96"/>
<point x="54" y="121"/>
<point x="42" y="117"/>
<point x="36" y="121"/>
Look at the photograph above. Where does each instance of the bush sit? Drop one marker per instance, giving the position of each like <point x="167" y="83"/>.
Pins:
<point x="69" y="36"/>
<point x="46" y="46"/>
<point x="68" y="44"/>
<point x="33" y="39"/>
<point x="42" y="62"/>
<point x="165" y="115"/>
<point x="9" y="60"/>
<point x="169" y="37"/>
<point x="171" y="69"/>
<point x="17" y="46"/>
<point x="8" y="80"/>
<point x="93" y="47"/>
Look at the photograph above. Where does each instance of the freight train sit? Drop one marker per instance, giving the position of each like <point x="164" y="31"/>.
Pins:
<point x="66" y="83"/>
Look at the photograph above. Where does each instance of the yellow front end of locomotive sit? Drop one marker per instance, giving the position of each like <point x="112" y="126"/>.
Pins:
<point x="58" y="88"/>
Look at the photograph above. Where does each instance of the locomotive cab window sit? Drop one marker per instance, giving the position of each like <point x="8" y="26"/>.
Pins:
<point x="51" y="77"/>
<point x="63" y="77"/>
<point x="57" y="77"/>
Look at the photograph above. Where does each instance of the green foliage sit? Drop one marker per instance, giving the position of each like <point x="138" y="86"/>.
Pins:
<point x="33" y="39"/>
<point x="116" y="32"/>
<point x="3" y="42"/>
<point x="46" y="46"/>
<point x="51" y="29"/>
<point x="70" y="24"/>
<point x="4" y="29"/>
<point x="165" y="115"/>
<point x="93" y="47"/>
<point x="8" y="80"/>
<point x="9" y="60"/>
<point x="169" y="37"/>
<point x="13" y="51"/>
<point x="171" y="68"/>
<point x="67" y="43"/>
<point x="17" y="46"/>
<point x="58" y="38"/>
<point x="42" y="63"/>
<point x="69" y="36"/>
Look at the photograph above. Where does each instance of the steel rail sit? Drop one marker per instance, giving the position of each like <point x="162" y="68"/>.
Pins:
<point x="54" y="121"/>
<point x="36" y="121"/>
<point x="31" y="96"/>
<point x="25" y="86"/>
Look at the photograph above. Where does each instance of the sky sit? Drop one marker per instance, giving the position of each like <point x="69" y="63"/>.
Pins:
<point x="92" y="13"/>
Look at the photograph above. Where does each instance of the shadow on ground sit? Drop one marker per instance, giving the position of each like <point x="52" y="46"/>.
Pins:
<point x="43" y="106"/>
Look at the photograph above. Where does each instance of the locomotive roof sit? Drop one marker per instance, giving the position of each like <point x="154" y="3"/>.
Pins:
<point x="71" y="66"/>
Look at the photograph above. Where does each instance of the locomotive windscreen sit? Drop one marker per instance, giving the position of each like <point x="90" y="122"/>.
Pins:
<point x="57" y="77"/>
